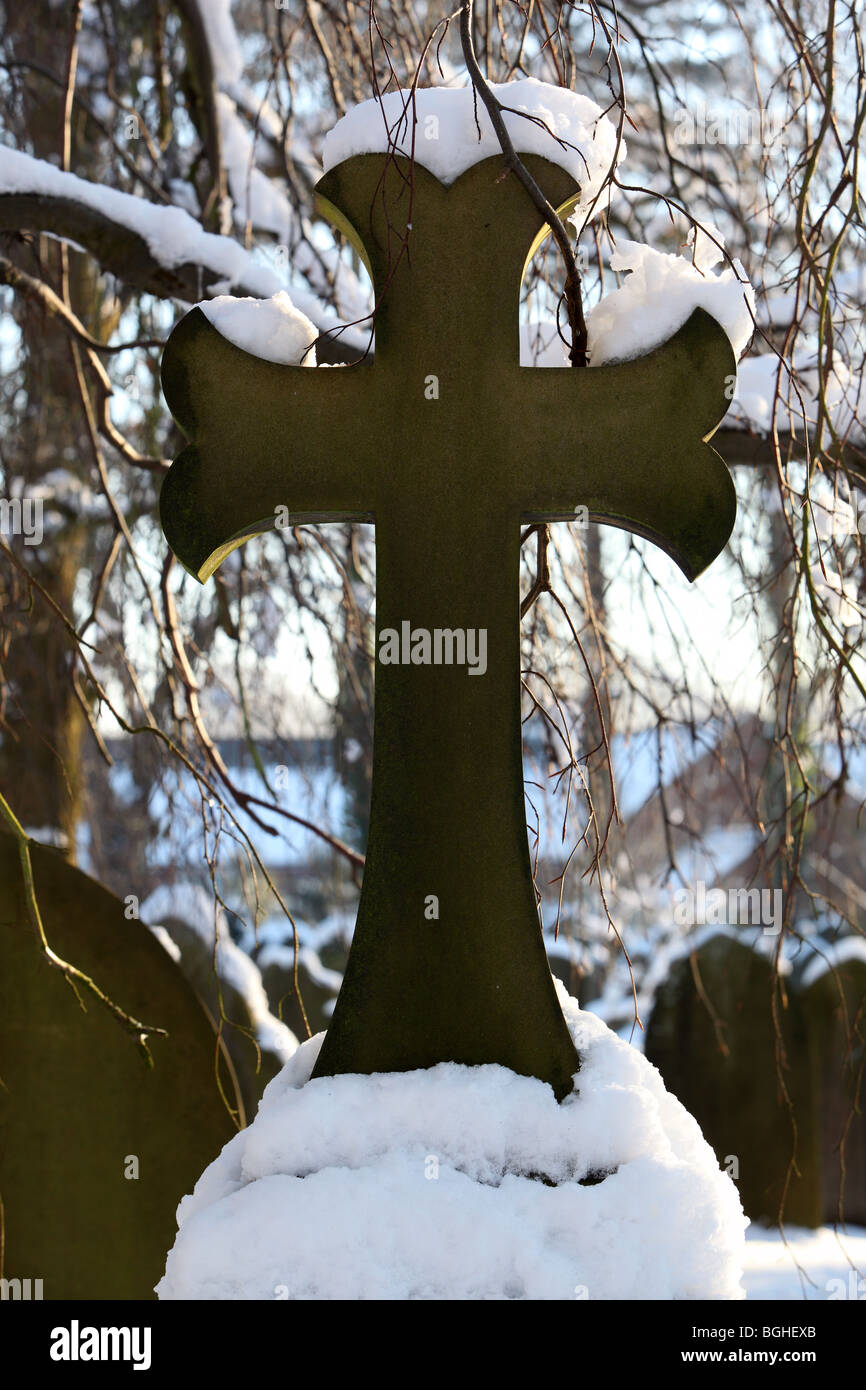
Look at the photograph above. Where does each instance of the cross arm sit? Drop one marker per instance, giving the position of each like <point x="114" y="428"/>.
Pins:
<point x="629" y="442"/>
<point x="263" y="436"/>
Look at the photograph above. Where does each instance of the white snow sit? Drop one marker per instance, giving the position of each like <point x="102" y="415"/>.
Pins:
<point x="173" y="237"/>
<point x="752" y="406"/>
<point x="834" y="516"/>
<point x="437" y="126"/>
<point x="264" y="202"/>
<point x="850" y="948"/>
<point x="170" y="947"/>
<point x="806" y="1265"/>
<point x="417" y="1186"/>
<point x="222" y="40"/>
<point x="839" y="595"/>
<point x="270" y="328"/>
<point x="254" y="194"/>
<point x="755" y="403"/>
<point x="660" y="293"/>
<point x="284" y="957"/>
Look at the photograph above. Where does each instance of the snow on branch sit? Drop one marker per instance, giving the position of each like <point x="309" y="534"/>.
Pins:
<point x="157" y="249"/>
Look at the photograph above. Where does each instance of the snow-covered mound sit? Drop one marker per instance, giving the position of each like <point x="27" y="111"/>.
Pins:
<point x="464" y="1183"/>
<point x="437" y="125"/>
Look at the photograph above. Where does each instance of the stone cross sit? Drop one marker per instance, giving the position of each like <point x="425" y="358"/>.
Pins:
<point x="450" y="447"/>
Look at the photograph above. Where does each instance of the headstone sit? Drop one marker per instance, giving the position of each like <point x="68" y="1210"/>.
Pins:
<point x="712" y="1036"/>
<point x="254" y="1064"/>
<point x="451" y="447"/>
<point x="834" y="1013"/>
<point x="318" y="984"/>
<point x="96" y="1150"/>
<point x="226" y="979"/>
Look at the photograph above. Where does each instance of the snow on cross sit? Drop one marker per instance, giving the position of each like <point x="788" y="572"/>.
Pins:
<point x="447" y="130"/>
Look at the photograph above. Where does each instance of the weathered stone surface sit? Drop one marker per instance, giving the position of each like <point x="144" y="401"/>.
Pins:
<point x="834" y="1012"/>
<point x="77" y="1100"/>
<point x="450" y="446"/>
<point x="715" y="1046"/>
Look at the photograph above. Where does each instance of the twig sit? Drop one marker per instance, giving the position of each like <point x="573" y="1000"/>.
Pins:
<point x="140" y="1031"/>
<point x="573" y="297"/>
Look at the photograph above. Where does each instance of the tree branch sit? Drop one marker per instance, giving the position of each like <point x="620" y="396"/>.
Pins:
<point x="573" y="297"/>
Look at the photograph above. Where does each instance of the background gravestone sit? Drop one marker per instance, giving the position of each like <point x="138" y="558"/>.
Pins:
<point x="834" y="1006"/>
<point x="736" y="1098"/>
<point x="254" y="1065"/>
<point x="78" y="1101"/>
<point x="318" y="986"/>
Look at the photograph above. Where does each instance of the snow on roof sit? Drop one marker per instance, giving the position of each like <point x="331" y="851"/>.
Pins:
<point x="424" y="1184"/>
<point x="438" y="126"/>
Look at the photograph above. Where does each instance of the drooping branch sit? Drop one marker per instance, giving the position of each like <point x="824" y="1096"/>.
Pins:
<point x="38" y="290"/>
<point x="123" y="252"/>
<point x="513" y="162"/>
<point x="75" y="977"/>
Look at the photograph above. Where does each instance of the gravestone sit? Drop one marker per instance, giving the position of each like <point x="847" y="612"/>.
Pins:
<point x="254" y="1067"/>
<point x="834" y="1013"/>
<point x="254" y="1062"/>
<point x="96" y="1149"/>
<point x="450" y="447"/>
<point x="315" y="985"/>
<point x="715" y="1046"/>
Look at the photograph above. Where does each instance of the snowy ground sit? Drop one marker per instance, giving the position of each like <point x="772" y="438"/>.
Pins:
<point x="833" y="1268"/>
